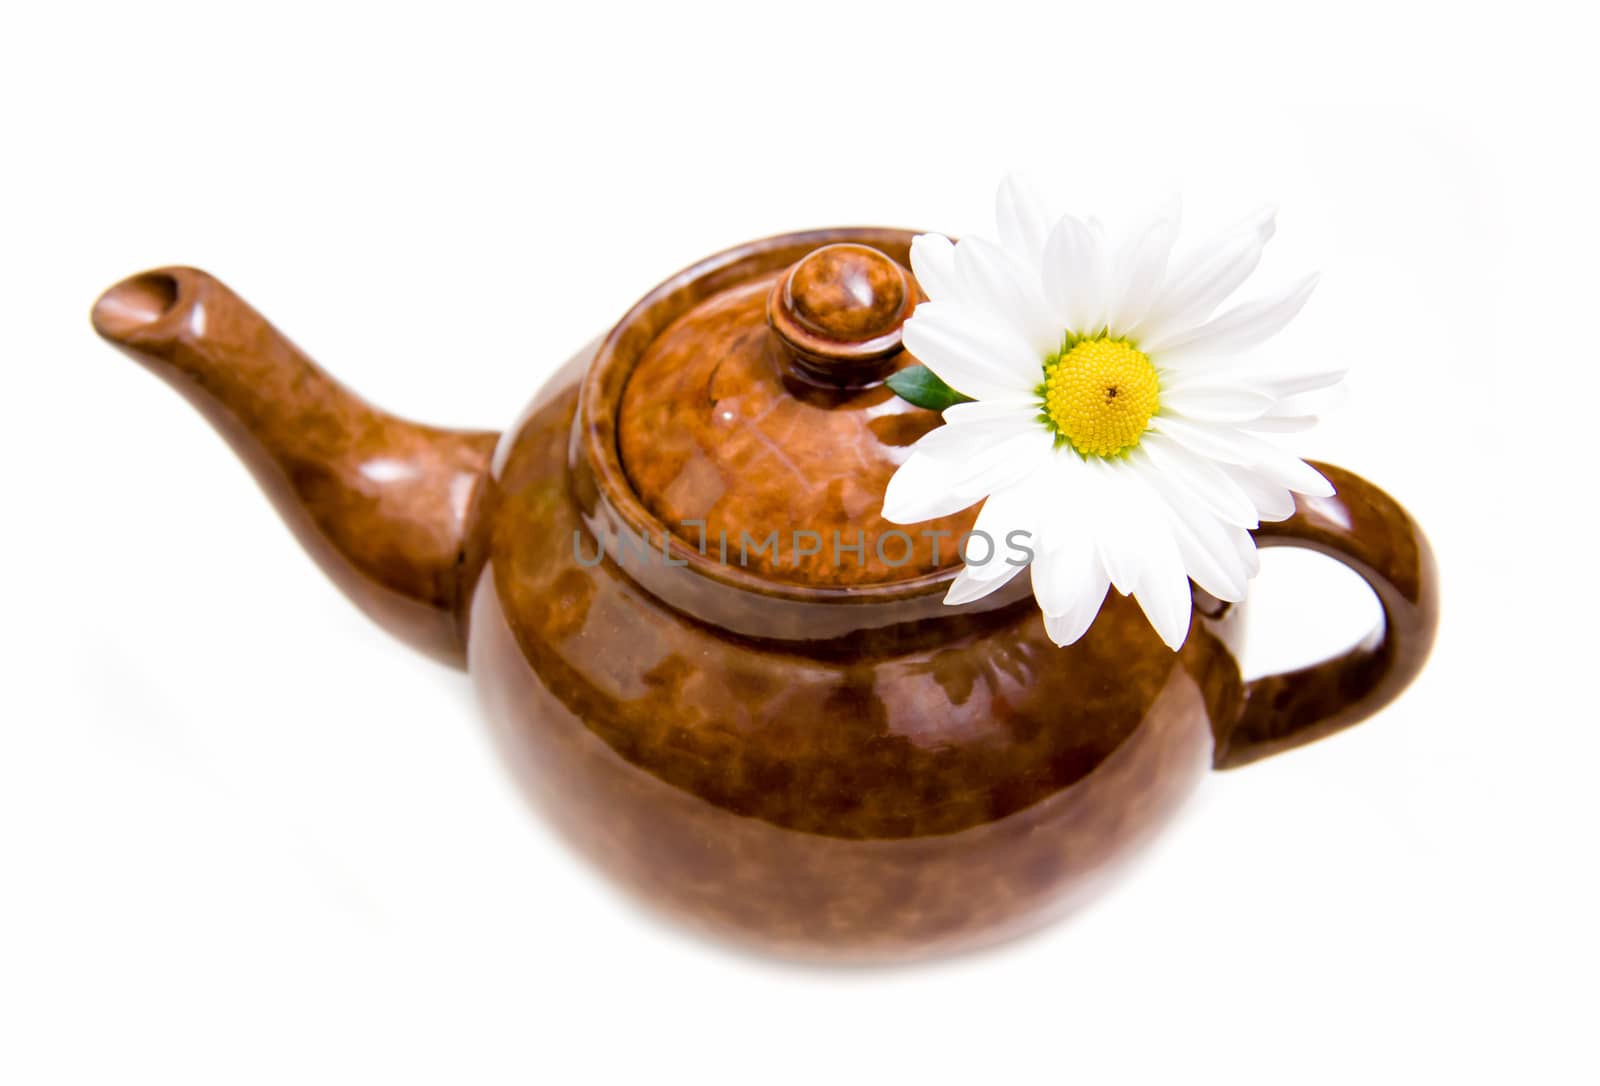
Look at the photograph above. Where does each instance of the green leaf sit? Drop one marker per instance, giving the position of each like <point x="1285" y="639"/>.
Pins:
<point x="921" y="386"/>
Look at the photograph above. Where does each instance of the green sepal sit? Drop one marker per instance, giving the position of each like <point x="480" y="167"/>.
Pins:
<point x="921" y="386"/>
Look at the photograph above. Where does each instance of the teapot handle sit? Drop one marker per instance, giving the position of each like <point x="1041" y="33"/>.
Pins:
<point x="1371" y="533"/>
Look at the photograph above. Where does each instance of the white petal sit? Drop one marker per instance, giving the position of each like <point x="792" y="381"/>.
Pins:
<point x="1023" y="220"/>
<point x="1214" y="401"/>
<point x="1014" y="408"/>
<point x="933" y="262"/>
<point x="1165" y="598"/>
<point x="1072" y="275"/>
<point x="1294" y="473"/>
<point x="1162" y="583"/>
<point x="1014" y="508"/>
<point x="1238" y="329"/>
<point x="1097" y="507"/>
<point x="1141" y="270"/>
<point x="1280" y="382"/>
<point x="982" y="360"/>
<point x="1066" y="567"/>
<point x="1272" y="502"/>
<point x="1300" y="411"/>
<point x="1202" y="478"/>
<point x="1316" y="402"/>
<point x="1263" y="220"/>
<point x="994" y="563"/>
<point x="1069" y="580"/>
<point x="1245" y="450"/>
<point x="1298" y="382"/>
<point x="1123" y="526"/>
<point x="1281" y="424"/>
<point x="1190" y="267"/>
<point x="1203" y="439"/>
<point x="1286" y="469"/>
<point x="921" y="489"/>
<point x="931" y="485"/>
<point x="1071" y="624"/>
<point x="1198" y="284"/>
<point x="971" y="431"/>
<point x="968" y="587"/>
<point x="1218" y="556"/>
<point x="993" y="280"/>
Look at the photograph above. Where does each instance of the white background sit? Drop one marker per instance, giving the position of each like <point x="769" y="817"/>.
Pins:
<point x="244" y="837"/>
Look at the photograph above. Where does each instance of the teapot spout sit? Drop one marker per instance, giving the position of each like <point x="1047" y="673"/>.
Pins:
<point x="388" y="508"/>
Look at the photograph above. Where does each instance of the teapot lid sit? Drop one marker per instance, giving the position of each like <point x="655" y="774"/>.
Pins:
<point x="757" y="428"/>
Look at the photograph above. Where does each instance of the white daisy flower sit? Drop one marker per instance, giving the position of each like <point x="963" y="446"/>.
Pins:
<point x="1110" y="417"/>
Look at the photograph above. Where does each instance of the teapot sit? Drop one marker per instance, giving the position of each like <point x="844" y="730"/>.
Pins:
<point x="708" y="658"/>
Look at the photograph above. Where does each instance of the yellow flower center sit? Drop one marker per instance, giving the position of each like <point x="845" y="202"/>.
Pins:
<point x="1100" y="394"/>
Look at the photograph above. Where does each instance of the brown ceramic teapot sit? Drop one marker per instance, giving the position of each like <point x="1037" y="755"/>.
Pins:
<point x="670" y="583"/>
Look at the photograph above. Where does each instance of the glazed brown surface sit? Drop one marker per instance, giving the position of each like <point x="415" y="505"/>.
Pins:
<point x="894" y="803"/>
<point x="827" y="768"/>
<point x="1371" y="533"/>
<point x="384" y="506"/>
<point x="838" y="314"/>
<point x="710" y="432"/>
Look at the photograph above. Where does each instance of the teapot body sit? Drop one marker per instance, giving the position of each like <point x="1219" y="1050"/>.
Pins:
<point x="919" y="790"/>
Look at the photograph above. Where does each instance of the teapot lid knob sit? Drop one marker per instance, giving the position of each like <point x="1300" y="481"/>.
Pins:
<point x="839" y="312"/>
